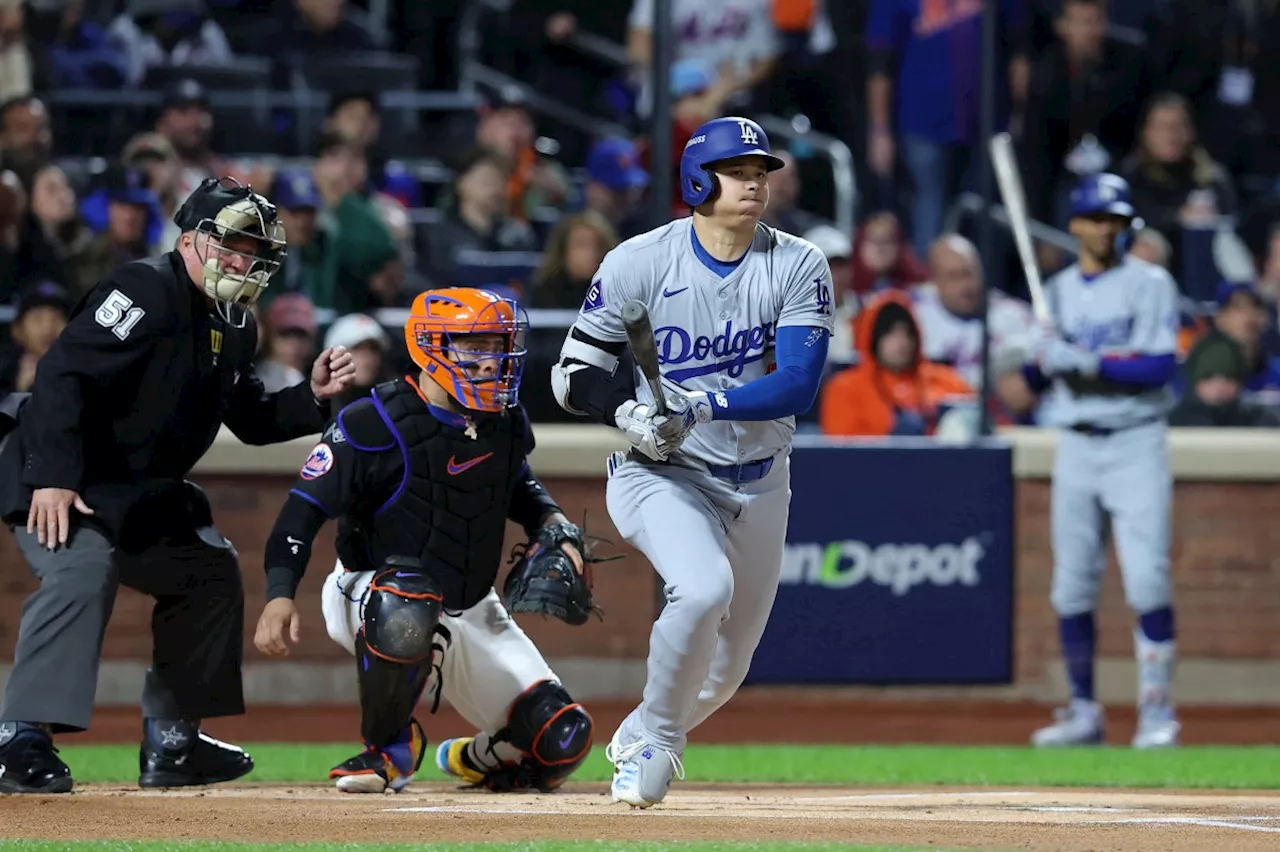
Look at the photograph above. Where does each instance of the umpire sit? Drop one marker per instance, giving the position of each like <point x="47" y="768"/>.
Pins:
<point x="92" y="482"/>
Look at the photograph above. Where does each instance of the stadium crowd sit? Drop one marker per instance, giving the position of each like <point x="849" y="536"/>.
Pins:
<point x="112" y="111"/>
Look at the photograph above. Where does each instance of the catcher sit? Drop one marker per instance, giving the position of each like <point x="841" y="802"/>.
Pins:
<point x="422" y="477"/>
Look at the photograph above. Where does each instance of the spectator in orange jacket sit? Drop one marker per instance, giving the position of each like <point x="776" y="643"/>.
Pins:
<point x="892" y="390"/>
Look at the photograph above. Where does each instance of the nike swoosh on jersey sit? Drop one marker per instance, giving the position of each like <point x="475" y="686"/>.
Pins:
<point x="674" y="292"/>
<point x="455" y="468"/>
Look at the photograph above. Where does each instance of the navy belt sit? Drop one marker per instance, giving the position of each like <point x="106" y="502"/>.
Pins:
<point x="749" y="472"/>
<point x="1103" y="432"/>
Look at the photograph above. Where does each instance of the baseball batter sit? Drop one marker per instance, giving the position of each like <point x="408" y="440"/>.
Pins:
<point x="1109" y="363"/>
<point x="742" y="314"/>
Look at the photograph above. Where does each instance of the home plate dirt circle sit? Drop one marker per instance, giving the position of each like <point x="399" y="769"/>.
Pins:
<point x="1074" y="820"/>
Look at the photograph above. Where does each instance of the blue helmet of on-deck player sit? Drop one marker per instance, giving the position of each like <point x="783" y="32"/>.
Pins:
<point x="720" y="139"/>
<point x="1102" y="193"/>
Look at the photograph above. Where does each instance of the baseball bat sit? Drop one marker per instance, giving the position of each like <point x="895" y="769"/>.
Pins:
<point x="635" y="319"/>
<point x="1005" y="164"/>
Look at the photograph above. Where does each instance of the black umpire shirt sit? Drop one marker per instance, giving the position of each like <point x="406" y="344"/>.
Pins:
<point x="133" y="393"/>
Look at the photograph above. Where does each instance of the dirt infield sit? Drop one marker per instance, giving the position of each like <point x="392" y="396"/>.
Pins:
<point x="1071" y="821"/>
<point x="753" y="716"/>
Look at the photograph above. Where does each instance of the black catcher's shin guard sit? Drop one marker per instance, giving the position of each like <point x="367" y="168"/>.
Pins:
<point x="394" y="648"/>
<point x="552" y="730"/>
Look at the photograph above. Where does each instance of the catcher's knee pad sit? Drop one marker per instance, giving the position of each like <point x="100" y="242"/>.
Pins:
<point x="394" y="647"/>
<point x="552" y="730"/>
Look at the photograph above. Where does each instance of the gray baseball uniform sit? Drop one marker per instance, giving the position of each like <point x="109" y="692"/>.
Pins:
<point x="1112" y="462"/>
<point x="712" y="520"/>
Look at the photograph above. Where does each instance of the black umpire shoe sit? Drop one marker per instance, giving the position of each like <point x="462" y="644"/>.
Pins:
<point x="192" y="764"/>
<point x="30" y="764"/>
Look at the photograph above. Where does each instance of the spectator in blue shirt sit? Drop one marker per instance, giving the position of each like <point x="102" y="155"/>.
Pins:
<point x="926" y="60"/>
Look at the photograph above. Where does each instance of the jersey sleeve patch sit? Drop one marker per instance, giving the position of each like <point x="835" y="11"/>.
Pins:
<point x="318" y="463"/>
<point x="595" y="297"/>
<point x="118" y="313"/>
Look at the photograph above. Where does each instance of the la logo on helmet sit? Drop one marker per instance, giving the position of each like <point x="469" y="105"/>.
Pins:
<point x="749" y="135"/>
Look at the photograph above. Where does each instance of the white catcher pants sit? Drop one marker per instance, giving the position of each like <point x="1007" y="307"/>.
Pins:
<point x="718" y="547"/>
<point x="488" y="661"/>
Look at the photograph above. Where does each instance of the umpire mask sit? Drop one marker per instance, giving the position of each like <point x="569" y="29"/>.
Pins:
<point x="239" y="240"/>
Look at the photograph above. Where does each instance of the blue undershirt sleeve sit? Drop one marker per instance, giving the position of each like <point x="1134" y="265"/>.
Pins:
<point x="788" y="391"/>
<point x="1144" y="370"/>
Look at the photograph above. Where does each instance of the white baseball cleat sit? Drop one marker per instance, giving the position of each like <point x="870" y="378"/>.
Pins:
<point x="1158" y="727"/>
<point x="642" y="773"/>
<point x="1079" y="723"/>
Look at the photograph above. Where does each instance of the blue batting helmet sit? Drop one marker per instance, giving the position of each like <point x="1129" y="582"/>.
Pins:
<point x="1102" y="193"/>
<point x="719" y="139"/>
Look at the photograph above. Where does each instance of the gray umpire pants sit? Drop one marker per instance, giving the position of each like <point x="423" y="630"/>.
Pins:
<point x="197" y="625"/>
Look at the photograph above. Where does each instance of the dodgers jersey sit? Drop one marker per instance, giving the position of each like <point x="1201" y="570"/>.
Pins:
<point x="1131" y="309"/>
<point x="713" y="333"/>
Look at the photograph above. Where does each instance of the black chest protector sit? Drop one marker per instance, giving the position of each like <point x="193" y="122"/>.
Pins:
<point x="450" y="508"/>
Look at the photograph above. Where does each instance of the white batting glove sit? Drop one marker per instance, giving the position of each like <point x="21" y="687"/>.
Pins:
<point x="1056" y="357"/>
<point x="700" y="403"/>
<point x="654" y="435"/>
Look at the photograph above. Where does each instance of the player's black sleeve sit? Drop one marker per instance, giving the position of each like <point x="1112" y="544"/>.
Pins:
<point x="103" y="350"/>
<point x="257" y="417"/>
<point x="331" y="480"/>
<point x="530" y="500"/>
<point x="595" y="391"/>
<point x="289" y="547"/>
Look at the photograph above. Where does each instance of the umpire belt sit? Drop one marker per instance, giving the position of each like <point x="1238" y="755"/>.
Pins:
<point x="1104" y="432"/>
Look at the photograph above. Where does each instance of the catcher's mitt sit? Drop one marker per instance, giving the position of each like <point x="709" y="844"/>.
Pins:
<point x="545" y="579"/>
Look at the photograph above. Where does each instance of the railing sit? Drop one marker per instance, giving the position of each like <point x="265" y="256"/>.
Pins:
<point x="971" y="203"/>
<point x="539" y="318"/>
<point x="844" y="181"/>
<point x="270" y="98"/>
<point x="307" y="104"/>
<point x="475" y="74"/>
<point x="598" y="48"/>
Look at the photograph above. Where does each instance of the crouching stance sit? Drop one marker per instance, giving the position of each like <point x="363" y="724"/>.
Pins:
<point x="422" y="477"/>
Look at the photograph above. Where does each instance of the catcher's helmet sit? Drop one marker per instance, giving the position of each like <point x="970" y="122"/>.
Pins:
<point x="435" y="333"/>
<point x="222" y="209"/>
<point x="719" y="139"/>
<point x="1102" y="193"/>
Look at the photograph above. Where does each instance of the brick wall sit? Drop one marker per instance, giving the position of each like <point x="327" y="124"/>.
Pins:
<point x="1225" y="553"/>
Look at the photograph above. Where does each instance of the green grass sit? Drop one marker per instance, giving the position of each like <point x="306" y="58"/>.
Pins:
<point x="551" y="846"/>
<point x="1227" y="767"/>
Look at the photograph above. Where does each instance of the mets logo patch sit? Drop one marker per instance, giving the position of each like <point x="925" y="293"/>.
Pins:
<point x="318" y="463"/>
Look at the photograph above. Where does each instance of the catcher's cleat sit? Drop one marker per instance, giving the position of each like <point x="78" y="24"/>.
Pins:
<point x="376" y="770"/>
<point x="451" y="758"/>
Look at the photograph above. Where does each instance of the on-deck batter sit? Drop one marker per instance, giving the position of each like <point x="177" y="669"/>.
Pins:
<point x="1110" y="360"/>
<point x="742" y="315"/>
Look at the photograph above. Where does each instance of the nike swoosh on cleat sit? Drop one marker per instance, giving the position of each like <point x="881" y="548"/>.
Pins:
<point x="455" y="468"/>
<point x="564" y="743"/>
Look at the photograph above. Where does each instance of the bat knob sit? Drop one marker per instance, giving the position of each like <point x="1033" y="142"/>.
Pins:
<point x="633" y="311"/>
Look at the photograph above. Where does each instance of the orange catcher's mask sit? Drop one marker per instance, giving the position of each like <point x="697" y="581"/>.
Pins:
<point x="437" y="332"/>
